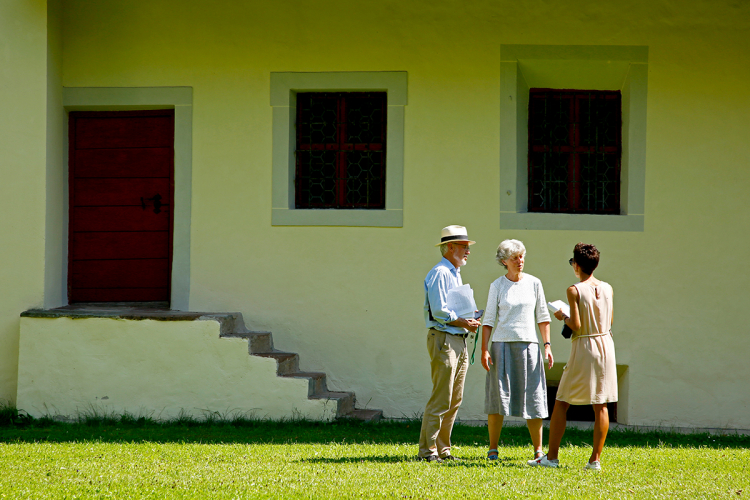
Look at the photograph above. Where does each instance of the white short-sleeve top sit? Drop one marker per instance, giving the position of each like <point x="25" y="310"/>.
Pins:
<point x="514" y="308"/>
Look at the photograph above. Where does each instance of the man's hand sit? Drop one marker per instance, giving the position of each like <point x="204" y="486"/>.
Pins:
<point x="486" y="359"/>
<point x="469" y="324"/>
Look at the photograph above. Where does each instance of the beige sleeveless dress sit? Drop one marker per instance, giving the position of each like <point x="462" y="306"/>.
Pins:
<point x="590" y="377"/>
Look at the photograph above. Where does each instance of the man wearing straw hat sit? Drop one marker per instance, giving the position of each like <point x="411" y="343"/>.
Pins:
<point x="446" y="344"/>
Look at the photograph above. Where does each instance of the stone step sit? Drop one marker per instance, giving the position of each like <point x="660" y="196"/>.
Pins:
<point x="258" y="342"/>
<point x="288" y="362"/>
<point x="231" y="323"/>
<point x="317" y="381"/>
<point x="344" y="401"/>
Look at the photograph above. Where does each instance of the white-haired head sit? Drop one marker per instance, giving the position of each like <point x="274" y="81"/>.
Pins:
<point x="509" y="249"/>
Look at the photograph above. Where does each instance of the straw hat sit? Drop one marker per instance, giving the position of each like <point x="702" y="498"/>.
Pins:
<point x="451" y="234"/>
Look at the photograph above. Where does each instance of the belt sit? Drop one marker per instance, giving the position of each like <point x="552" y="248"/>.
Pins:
<point x="461" y="335"/>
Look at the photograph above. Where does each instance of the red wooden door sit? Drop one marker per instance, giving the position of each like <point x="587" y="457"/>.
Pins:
<point x="121" y="170"/>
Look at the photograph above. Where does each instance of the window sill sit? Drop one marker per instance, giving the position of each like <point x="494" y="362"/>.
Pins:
<point x="570" y="222"/>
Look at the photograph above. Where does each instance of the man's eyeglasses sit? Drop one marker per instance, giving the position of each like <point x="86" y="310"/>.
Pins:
<point x="570" y="261"/>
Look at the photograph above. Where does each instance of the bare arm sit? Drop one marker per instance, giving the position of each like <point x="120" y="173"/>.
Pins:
<point x="490" y="316"/>
<point x="486" y="359"/>
<point x="544" y="330"/>
<point x="574" y="322"/>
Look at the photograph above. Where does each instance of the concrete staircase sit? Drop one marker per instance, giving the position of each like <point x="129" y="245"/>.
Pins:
<point x="70" y="388"/>
<point x="287" y="365"/>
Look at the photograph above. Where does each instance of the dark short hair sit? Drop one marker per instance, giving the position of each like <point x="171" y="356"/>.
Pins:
<point x="586" y="256"/>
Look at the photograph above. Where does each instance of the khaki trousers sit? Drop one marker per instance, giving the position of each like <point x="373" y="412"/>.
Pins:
<point x="449" y="361"/>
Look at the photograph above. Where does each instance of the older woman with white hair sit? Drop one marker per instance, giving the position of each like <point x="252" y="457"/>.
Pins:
<point x="516" y="385"/>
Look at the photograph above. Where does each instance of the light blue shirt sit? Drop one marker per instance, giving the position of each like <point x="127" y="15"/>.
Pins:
<point x="439" y="280"/>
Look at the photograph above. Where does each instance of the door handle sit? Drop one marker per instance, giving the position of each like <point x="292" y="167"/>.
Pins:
<point x="157" y="203"/>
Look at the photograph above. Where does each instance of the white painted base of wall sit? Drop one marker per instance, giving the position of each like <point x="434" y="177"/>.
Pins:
<point x="161" y="369"/>
<point x="614" y="426"/>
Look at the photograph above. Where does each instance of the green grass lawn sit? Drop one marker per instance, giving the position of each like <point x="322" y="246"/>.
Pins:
<point x="107" y="458"/>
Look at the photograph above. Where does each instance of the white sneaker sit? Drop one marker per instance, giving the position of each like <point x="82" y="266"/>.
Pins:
<point x="595" y="465"/>
<point x="544" y="462"/>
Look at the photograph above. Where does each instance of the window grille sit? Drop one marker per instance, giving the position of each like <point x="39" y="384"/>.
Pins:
<point x="575" y="149"/>
<point x="340" y="154"/>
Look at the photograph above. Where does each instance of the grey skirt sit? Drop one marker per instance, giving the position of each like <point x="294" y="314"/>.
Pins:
<point x="516" y="385"/>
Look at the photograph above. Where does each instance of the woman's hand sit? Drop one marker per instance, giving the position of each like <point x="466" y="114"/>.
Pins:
<point x="548" y="355"/>
<point x="544" y="330"/>
<point x="486" y="359"/>
<point x="560" y="315"/>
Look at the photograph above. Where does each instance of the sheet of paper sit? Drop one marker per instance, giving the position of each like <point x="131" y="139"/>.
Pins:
<point x="557" y="305"/>
<point x="461" y="300"/>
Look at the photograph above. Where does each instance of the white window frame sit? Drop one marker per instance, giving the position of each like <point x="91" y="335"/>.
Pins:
<point x="284" y="89"/>
<point x="523" y="67"/>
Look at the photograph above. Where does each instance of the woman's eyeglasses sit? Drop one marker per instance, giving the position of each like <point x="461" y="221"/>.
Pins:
<point x="570" y="261"/>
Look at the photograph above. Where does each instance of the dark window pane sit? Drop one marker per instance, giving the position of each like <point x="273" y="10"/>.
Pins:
<point x="574" y="151"/>
<point x="550" y="118"/>
<point x="550" y="180"/>
<point x="599" y="175"/>
<point x="599" y="121"/>
<point x="340" y="156"/>
<point x="364" y="181"/>
<point x="320" y="123"/>
<point x="364" y="119"/>
<point x="316" y="177"/>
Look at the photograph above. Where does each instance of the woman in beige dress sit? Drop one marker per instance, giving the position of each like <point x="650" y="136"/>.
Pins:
<point x="590" y="377"/>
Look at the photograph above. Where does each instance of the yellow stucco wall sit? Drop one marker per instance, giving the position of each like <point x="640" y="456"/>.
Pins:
<point x="23" y="104"/>
<point x="349" y="299"/>
<point x="159" y="369"/>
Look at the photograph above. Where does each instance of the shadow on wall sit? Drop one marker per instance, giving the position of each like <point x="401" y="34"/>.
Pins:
<point x="585" y="413"/>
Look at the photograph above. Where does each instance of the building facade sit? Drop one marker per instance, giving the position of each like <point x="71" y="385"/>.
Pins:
<point x="340" y="281"/>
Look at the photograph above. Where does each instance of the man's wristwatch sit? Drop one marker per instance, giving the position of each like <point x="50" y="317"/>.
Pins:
<point x="547" y="343"/>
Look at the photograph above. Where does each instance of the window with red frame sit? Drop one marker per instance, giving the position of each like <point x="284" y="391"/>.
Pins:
<point x="575" y="149"/>
<point x="340" y="154"/>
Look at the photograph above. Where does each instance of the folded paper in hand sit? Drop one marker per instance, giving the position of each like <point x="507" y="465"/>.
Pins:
<point x="557" y="305"/>
<point x="461" y="301"/>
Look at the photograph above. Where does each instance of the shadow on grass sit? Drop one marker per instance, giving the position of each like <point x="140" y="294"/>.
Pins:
<point x="380" y="459"/>
<point x="385" y="459"/>
<point x="127" y="429"/>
